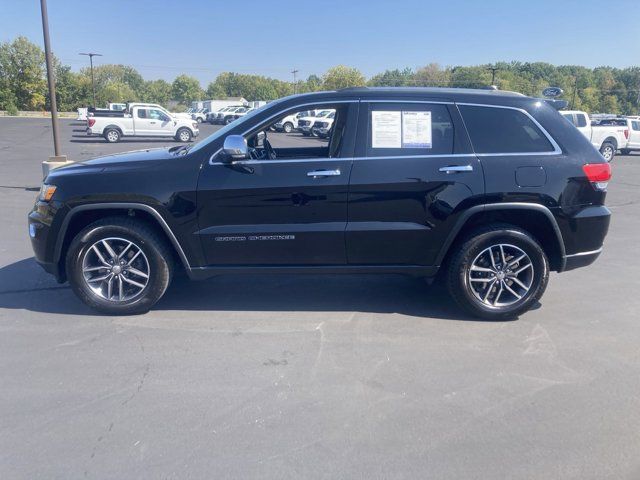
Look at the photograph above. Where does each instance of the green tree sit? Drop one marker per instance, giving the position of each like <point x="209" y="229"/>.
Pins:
<point x="157" y="91"/>
<point x="186" y="89"/>
<point x="23" y="74"/>
<point x="393" y="78"/>
<point x="342" y="77"/>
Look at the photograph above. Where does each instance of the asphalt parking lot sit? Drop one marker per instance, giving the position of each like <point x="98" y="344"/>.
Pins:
<point x="313" y="376"/>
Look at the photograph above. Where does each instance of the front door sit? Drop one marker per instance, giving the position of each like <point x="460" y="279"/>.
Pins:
<point x="287" y="210"/>
<point x="152" y="122"/>
<point x="634" y="135"/>
<point x="412" y="175"/>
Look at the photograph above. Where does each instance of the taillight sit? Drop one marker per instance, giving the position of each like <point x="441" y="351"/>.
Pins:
<point x="598" y="174"/>
<point x="626" y="133"/>
<point x="91" y="122"/>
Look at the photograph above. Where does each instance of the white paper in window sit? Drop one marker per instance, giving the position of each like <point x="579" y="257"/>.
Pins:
<point x="416" y="130"/>
<point x="386" y="129"/>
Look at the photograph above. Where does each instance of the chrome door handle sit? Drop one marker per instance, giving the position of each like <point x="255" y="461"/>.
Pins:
<point x="456" y="168"/>
<point x="323" y="173"/>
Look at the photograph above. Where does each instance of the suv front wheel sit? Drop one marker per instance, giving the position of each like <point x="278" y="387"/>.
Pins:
<point x="119" y="266"/>
<point x="498" y="272"/>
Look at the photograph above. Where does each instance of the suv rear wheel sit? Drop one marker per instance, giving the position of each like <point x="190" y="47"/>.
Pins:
<point x="498" y="272"/>
<point x="119" y="266"/>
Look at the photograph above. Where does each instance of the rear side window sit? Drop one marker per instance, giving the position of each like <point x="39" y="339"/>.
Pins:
<point x="635" y="126"/>
<point x="581" y="120"/>
<point x="503" y="130"/>
<point x="142" y="113"/>
<point x="408" y="129"/>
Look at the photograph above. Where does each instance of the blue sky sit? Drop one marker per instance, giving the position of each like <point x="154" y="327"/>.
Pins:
<point x="202" y="38"/>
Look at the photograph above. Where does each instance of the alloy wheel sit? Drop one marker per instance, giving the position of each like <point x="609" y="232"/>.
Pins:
<point x="501" y="275"/>
<point x="115" y="269"/>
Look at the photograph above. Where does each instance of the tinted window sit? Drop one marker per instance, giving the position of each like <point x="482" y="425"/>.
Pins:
<point x="581" y="120"/>
<point x="142" y="113"/>
<point x="503" y="130"/>
<point x="420" y="129"/>
<point x="635" y="126"/>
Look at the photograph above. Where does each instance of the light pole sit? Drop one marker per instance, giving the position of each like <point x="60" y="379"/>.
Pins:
<point x="295" y="85"/>
<point x="51" y="80"/>
<point x="93" y="84"/>
<point x="493" y="71"/>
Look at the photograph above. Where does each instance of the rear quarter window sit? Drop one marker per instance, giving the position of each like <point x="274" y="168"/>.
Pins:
<point x="503" y="130"/>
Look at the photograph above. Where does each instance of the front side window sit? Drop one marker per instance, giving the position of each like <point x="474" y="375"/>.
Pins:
<point x="155" y="114"/>
<point x="503" y="130"/>
<point x="409" y="129"/>
<point x="314" y="136"/>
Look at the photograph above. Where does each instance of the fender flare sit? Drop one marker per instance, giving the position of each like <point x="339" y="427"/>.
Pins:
<point x="502" y="206"/>
<point x="128" y="206"/>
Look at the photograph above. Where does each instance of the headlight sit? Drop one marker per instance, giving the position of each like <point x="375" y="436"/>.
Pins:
<point x="46" y="192"/>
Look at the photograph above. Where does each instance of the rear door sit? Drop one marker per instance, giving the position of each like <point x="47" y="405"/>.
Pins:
<point x="412" y="176"/>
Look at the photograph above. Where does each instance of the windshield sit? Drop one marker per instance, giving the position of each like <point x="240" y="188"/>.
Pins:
<point x="324" y="113"/>
<point x="224" y="130"/>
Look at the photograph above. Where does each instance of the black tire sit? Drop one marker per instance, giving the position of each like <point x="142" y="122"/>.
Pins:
<point x="156" y="252"/>
<point x="199" y="120"/>
<point x="625" y="151"/>
<point x="112" y="135"/>
<point x="608" y="151"/>
<point x="183" y="135"/>
<point x="228" y="120"/>
<point x="287" y="127"/>
<point x="472" y="247"/>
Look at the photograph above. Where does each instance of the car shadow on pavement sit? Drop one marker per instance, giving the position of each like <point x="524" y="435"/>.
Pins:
<point x="23" y="285"/>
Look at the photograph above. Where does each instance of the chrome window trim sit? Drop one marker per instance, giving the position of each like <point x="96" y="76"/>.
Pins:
<point x="324" y="159"/>
<point x="556" y="148"/>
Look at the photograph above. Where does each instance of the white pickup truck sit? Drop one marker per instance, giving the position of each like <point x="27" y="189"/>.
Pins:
<point x="305" y="124"/>
<point x="141" y="120"/>
<point x="606" y="138"/>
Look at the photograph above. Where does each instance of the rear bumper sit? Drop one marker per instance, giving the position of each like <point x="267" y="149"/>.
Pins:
<point x="581" y="259"/>
<point x="583" y="235"/>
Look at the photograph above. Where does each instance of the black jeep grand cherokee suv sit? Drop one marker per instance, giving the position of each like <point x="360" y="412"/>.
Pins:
<point x="492" y="188"/>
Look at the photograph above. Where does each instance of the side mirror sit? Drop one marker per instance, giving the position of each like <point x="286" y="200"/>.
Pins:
<point x="235" y="148"/>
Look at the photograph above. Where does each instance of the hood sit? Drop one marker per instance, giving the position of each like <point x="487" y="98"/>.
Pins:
<point x="128" y="160"/>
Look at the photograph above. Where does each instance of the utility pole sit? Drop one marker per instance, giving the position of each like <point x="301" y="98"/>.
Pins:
<point x="51" y="80"/>
<point x="575" y="90"/>
<point x="93" y="84"/>
<point x="493" y="71"/>
<point x="295" y="85"/>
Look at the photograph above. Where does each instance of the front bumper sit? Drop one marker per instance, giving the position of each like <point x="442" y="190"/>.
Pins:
<point x="42" y="240"/>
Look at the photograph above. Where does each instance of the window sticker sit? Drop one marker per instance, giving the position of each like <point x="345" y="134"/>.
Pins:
<point x="386" y="129"/>
<point x="416" y="130"/>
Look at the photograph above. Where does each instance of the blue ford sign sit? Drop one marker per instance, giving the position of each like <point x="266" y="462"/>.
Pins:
<point x="552" y="92"/>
